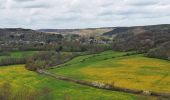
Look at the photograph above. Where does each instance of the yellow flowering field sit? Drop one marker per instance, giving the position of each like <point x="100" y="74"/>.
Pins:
<point x="134" y="71"/>
<point x="138" y="73"/>
<point x="23" y="80"/>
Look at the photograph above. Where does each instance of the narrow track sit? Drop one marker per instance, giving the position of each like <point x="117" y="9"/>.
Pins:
<point x="106" y="86"/>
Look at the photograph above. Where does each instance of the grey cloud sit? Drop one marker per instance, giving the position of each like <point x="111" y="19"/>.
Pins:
<point x="105" y="13"/>
<point x="27" y="6"/>
<point x="21" y="4"/>
<point x="82" y="13"/>
<point x="1" y="7"/>
<point x="37" y="6"/>
<point x="24" y="0"/>
<point x="141" y="2"/>
<point x="65" y="18"/>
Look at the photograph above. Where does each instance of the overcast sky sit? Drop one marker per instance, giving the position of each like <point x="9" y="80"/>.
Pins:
<point x="38" y="14"/>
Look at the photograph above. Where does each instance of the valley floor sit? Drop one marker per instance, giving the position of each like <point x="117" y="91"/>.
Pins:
<point x="133" y="71"/>
<point x="116" y="68"/>
<point x="22" y="79"/>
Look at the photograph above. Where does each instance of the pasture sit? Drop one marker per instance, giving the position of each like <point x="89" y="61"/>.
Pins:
<point x="133" y="71"/>
<point x="22" y="79"/>
<point x="16" y="54"/>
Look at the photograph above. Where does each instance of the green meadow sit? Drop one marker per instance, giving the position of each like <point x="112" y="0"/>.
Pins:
<point x="130" y="71"/>
<point x="133" y="71"/>
<point x="17" y="54"/>
<point x="20" y="79"/>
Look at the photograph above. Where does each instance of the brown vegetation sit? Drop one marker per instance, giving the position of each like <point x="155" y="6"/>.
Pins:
<point x="47" y="59"/>
<point x="162" y="51"/>
<point x="154" y="38"/>
<point x="7" y="93"/>
<point x="11" y="61"/>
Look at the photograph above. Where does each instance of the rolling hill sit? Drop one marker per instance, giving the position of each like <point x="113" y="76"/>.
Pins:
<point x="25" y="35"/>
<point x="142" y="38"/>
<point x="82" y="32"/>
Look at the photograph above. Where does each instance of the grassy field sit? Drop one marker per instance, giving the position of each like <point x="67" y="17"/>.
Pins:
<point x="135" y="71"/>
<point x="20" y="79"/>
<point x="18" y="54"/>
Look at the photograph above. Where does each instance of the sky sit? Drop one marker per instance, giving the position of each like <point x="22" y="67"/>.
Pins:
<point x="38" y="14"/>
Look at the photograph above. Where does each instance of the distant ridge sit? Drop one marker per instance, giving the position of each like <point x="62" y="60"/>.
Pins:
<point x="152" y="38"/>
<point x="86" y="31"/>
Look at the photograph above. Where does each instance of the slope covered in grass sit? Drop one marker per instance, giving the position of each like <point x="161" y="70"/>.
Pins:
<point x="135" y="71"/>
<point x="17" y="54"/>
<point x="20" y="79"/>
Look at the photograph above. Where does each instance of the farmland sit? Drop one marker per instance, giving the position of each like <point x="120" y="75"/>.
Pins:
<point x="20" y="79"/>
<point x="16" y="54"/>
<point x="133" y="71"/>
<point x="84" y="50"/>
<point x="120" y="69"/>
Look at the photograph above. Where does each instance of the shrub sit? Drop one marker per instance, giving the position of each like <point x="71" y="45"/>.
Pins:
<point x="3" y="53"/>
<point x="7" y="93"/>
<point x="46" y="59"/>
<point x="11" y="61"/>
<point x="162" y="51"/>
<point x="169" y="58"/>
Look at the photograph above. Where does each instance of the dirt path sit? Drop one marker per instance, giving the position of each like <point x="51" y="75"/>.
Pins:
<point x="106" y="86"/>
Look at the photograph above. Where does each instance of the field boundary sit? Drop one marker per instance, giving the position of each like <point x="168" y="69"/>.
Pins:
<point x="92" y="55"/>
<point x="106" y="86"/>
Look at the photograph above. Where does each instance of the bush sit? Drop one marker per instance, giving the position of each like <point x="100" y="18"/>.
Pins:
<point x="169" y="58"/>
<point x="3" y="53"/>
<point x="11" y="61"/>
<point x="162" y="51"/>
<point x="46" y="59"/>
<point x="7" y="93"/>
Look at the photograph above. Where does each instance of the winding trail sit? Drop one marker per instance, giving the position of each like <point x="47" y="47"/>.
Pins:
<point x="105" y="86"/>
